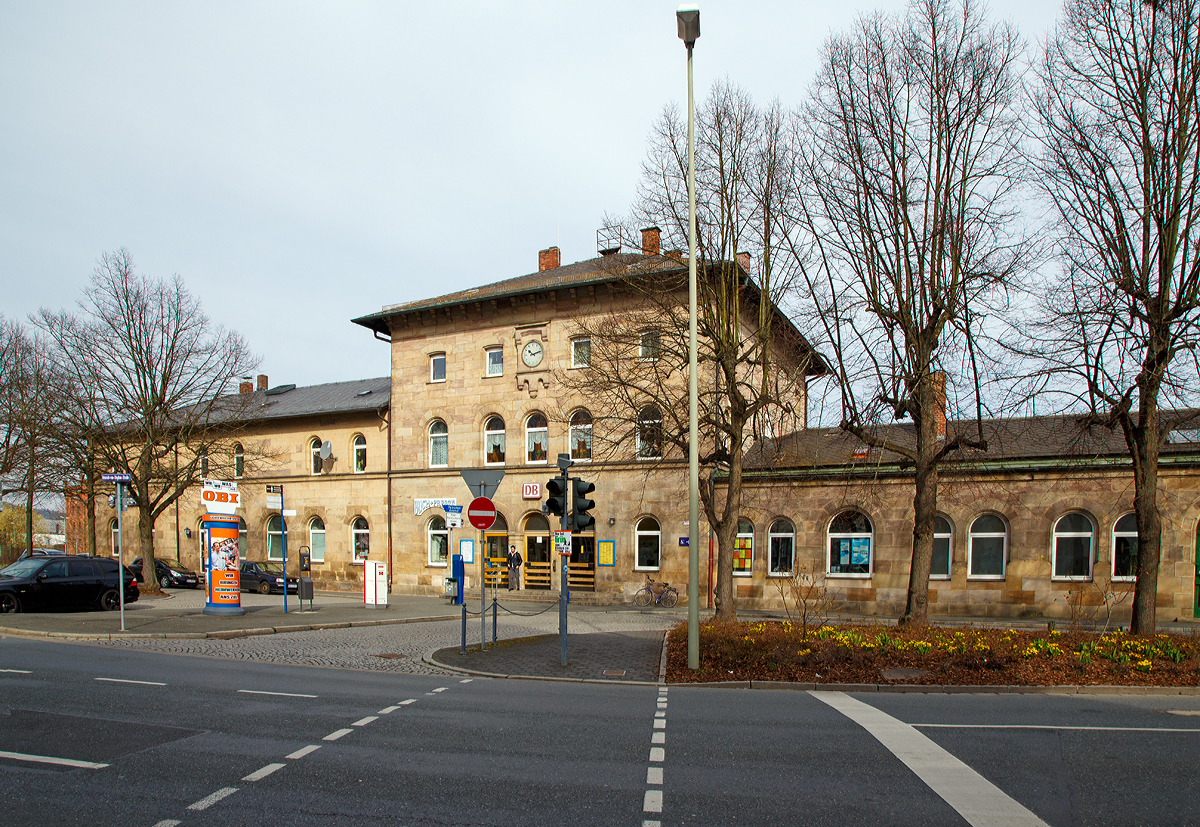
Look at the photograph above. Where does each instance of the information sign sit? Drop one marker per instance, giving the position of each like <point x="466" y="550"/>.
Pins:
<point x="274" y="497"/>
<point x="482" y="513"/>
<point x="220" y="497"/>
<point x="562" y="542"/>
<point x="375" y="584"/>
<point x="116" y="477"/>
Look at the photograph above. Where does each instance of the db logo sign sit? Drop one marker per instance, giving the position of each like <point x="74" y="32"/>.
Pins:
<point x="531" y="491"/>
<point x="221" y="497"/>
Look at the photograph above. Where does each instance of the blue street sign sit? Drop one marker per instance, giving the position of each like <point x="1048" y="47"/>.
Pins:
<point x="683" y="541"/>
<point x="452" y="509"/>
<point x="116" y="477"/>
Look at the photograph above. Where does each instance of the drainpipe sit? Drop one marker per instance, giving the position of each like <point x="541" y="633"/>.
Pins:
<point x="388" y="482"/>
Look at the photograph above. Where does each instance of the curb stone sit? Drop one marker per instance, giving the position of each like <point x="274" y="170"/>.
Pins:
<point x="226" y="634"/>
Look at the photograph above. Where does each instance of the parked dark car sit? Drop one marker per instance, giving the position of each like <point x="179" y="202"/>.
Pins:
<point x="265" y="578"/>
<point x="40" y="583"/>
<point x="42" y="552"/>
<point x="170" y="573"/>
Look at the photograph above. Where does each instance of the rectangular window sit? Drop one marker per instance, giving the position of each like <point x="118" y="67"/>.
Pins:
<point x="495" y="361"/>
<point x="781" y="555"/>
<point x="274" y="545"/>
<point x="439" y="543"/>
<point x="1073" y="557"/>
<point x="1125" y="558"/>
<point x="743" y="556"/>
<point x="437" y="367"/>
<point x="941" y="557"/>
<point x="649" y="346"/>
<point x="581" y="353"/>
<point x="647" y="551"/>
<point x="318" y="546"/>
<point x="987" y="556"/>
<point x="850" y="555"/>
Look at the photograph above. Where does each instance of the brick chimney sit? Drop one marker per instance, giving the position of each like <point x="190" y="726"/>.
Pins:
<point x="549" y="258"/>
<point x="262" y="382"/>
<point x="939" y="395"/>
<point x="650" y="241"/>
<point x="246" y="387"/>
<point x="743" y="260"/>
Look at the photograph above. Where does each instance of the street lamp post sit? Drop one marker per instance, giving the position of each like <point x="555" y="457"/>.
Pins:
<point x="688" y="18"/>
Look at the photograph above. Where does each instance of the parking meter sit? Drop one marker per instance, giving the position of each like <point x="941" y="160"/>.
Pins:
<point x="305" y="559"/>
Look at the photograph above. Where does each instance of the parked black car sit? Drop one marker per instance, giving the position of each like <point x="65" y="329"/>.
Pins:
<point x="170" y="573"/>
<point x="265" y="578"/>
<point x="42" y="552"/>
<point x="39" y="583"/>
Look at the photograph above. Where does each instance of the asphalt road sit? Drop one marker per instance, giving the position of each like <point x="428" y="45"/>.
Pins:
<point x="168" y="739"/>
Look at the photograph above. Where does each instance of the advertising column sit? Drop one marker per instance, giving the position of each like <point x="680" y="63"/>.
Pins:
<point x="221" y="528"/>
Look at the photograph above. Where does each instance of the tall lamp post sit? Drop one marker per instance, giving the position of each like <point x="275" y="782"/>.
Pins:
<point x="688" y="18"/>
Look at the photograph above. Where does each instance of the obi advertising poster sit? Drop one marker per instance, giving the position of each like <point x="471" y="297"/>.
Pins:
<point x="224" y="583"/>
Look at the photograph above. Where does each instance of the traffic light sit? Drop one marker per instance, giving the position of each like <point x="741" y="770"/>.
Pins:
<point x="581" y="505"/>
<point x="556" y="496"/>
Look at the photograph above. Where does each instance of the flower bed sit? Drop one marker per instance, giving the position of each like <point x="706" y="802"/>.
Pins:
<point x="783" y="651"/>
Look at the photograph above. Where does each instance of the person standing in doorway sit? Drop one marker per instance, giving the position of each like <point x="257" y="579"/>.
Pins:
<point x="514" y="568"/>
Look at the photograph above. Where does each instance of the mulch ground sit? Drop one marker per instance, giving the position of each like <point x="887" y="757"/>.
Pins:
<point x="782" y="651"/>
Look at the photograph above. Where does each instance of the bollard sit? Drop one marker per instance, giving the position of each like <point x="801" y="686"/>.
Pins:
<point x="493" y="620"/>
<point x="462" y="649"/>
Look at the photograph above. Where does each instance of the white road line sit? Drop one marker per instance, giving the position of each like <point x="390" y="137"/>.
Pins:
<point x="17" y="671"/>
<point x="660" y="723"/>
<point x="1168" y="711"/>
<point x="168" y="822"/>
<point x="652" y="803"/>
<point x="388" y="710"/>
<point x="409" y="701"/>
<point x="654" y="775"/>
<point x="662" y="704"/>
<point x="208" y="801"/>
<point x="466" y="680"/>
<point x="648" y="823"/>
<point x="365" y="721"/>
<point x="47" y="759"/>
<point x="283" y="694"/>
<point x="1057" y="726"/>
<point x="440" y="689"/>
<point x="262" y="773"/>
<point x="333" y="736"/>
<point x="303" y="751"/>
<point x="660" y="714"/>
<point x="658" y="754"/>
<point x="980" y="802"/>
<point x="658" y="738"/>
<point x="122" y="680"/>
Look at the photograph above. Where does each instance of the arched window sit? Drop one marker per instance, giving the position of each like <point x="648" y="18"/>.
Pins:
<point x="1073" y="534"/>
<point x="581" y="436"/>
<point x="274" y="538"/>
<point x="115" y="537"/>
<point x="439" y="444"/>
<point x="649" y="433"/>
<point x="439" y="542"/>
<point x="314" y="449"/>
<point x="239" y="461"/>
<point x="850" y="545"/>
<point x="648" y="539"/>
<point x="743" y="549"/>
<point x="781" y="537"/>
<point x="943" y="542"/>
<point x="1125" y="548"/>
<point x="316" y="539"/>
<point x="360" y="539"/>
<point x="537" y="439"/>
<point x="360" y="454"/>
<point x="204" y="465"/>
<point x="987" y="548"/>
<point x="493" y="441"/>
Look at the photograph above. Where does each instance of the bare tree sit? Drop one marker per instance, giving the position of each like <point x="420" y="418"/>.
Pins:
<point x="909" y="167"/>
<point x="1119" y="130"/>
<point x="14" y="351"/>
<point x="752" y="363"/>
<point x="151" y="374"/>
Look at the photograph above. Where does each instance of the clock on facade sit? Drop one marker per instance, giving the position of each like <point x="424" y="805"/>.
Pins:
<point x="531" y="354"/>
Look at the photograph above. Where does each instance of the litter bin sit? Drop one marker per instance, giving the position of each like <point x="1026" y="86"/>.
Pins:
<point x="306" y="588"/>
<point x="451" y="588"/>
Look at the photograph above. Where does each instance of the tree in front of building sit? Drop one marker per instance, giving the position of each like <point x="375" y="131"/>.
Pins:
<point x="15" y="532"/>
<point x="908" y="164"/>
<point x="1118" y="118"/>
<point x="152" y="379"/>
<point x="752" y="364"/>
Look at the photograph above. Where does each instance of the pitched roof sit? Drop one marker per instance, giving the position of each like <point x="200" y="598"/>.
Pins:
<point x="285" y="401"/>
<point x="1033" y="439"/>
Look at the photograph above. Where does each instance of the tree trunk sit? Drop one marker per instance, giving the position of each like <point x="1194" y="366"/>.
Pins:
<point x="928" y="399"/>
<point x="726" y="611"/>
<point x="29" y="479"/>
<point x="1144" y="448"/>
<point x="146" y="543"/>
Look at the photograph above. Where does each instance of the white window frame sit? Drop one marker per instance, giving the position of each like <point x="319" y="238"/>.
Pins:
<point x="445" y="439"/>
<point x="638" y="534"/>
<point x="312" y="540"/>
<point x="355" y="533"/>
<point x="641" y="454"/>
<point x="314" y="449"/>
<point x="581" y="429"/>
<point x="114" y="534"/>
<point x="772" y="535"/>
<point x="742" y="534"/>
<point x="972" y="535"/>
<point x="432" y="530"/>
<point x="503" y="440"/>
<point x="239" y="461"/>
<point x="359" y="444"/>
<point x="243" y="541"/>
<point x="271" y="533"/>
<point x="949" y="538"/>
<point x="530" y="431"/>
<point x="869" y="536"/>
<point x="650" y="345"/>
<point x="1117" y="534"/>
<point x="1055" y="534"/>
<point x="434" y="358"/>
<point x="575" y="344"/>
<point x="489" y="368"/>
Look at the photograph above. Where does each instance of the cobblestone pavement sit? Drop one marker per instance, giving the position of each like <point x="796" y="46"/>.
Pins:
<point x="401" y="646"/>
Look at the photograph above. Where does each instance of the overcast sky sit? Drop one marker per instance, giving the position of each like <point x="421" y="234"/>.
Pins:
<point x="301" y="164"/>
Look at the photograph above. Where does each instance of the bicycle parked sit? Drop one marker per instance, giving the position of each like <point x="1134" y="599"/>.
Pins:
<point x="659" y="593"/>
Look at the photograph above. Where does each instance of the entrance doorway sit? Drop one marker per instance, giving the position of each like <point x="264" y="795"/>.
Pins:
<point x="538" y="567"/>
<point x="581" y="571"/>
<point x="495" y="554"/>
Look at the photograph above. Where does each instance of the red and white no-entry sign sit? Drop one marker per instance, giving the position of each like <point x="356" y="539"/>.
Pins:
<point x="481" y="513"/>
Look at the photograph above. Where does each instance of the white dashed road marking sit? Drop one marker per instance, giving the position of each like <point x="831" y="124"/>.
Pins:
<point x="208" y="801"/>
<point x="303" y="751"/>
<point x="658" y="738"/>
<point x="365" y="721"/>
<point x="466" y="680"/>
<point x="409" y="701"/>
<point x="122" y="680"/>
<point x="388" y="710"/>
<point x="260" y="774"/>
<point x="17" y="671"/>
<point x="168" y="822"/>
<point x="47" y="759"/>
<point x="658" y="754"/>
<point x="654" y="775"/>
<point x="283" y="694"/>
<point x="980" y="802"/>
<point x="333" y="736"/>
<point x="652" y="803"/>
